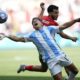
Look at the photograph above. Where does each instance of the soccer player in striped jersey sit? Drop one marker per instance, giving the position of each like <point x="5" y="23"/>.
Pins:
<point x="47" y="21"/>
<point x="51" y="54"/>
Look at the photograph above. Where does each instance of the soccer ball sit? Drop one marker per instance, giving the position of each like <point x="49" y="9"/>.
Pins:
<point x="3" y="16"/>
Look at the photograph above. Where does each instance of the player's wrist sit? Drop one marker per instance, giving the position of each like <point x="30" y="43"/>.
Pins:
<point x="77" y="20"/>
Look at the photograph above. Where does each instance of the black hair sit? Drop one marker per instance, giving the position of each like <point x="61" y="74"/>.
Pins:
<point x="51" y="8"/>
<point x="34" y="19"/>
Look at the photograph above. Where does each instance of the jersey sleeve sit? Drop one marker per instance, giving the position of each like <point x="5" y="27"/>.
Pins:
<point x="27" y="37"/>
<point x="54" y="29"/>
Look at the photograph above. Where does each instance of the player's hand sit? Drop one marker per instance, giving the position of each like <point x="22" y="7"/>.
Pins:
<point x="2" y="36"/>
<point x="78" y="20"/>
<point x="74" y="39"/>
<point x="42" y="5"/>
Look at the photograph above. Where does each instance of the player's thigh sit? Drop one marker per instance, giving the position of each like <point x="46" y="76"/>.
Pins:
<point x="72" y="68"/>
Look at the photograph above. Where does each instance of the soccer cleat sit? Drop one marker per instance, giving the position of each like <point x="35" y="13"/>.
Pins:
<point x="21" y="68"/>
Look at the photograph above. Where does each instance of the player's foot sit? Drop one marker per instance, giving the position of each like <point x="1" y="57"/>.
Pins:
<point x="66" y="78"/>
<point x="21" y="68"/>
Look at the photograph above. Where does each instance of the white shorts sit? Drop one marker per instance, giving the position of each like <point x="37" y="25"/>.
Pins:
<point x="55" y="66"/>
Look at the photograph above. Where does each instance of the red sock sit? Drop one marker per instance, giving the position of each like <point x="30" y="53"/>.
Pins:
<point x="28" y="67"/>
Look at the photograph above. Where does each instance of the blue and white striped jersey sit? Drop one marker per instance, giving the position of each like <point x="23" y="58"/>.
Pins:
<point x="44" y="41"/>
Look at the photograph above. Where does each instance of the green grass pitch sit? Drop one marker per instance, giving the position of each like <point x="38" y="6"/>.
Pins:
<point x="11" y="59"/>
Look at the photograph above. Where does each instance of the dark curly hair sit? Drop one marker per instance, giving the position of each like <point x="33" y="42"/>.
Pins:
<point x="51" y="8"/>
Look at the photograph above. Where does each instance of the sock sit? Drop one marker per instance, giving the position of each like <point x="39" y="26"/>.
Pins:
<point x="71" y="76"/>
<point x="28" y="67"/>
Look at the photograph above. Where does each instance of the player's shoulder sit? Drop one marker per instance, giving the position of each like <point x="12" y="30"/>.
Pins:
<point x="31" y="33"/>
<point x="44" y="17"/>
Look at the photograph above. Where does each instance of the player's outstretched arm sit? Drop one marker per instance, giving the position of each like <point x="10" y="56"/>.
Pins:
<point x="42" y="10"/>
<point x="68" y="24"/>
<point x="11" y="37"/>
<point x="15" y="38"/>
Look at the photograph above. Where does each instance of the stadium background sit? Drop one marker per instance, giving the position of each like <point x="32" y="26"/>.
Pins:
<point x="20" y="13"/>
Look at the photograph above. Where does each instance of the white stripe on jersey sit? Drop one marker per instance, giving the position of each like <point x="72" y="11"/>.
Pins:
<point x="52" y="38"/>
<point x="45" y="45"/>
<point x="44" y="41"/>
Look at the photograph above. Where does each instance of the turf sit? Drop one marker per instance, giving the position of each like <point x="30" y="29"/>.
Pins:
<point x="11" y="59"/>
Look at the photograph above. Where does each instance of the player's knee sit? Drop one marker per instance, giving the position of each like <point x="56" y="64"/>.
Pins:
<point x="44" y="69"/>
<point x="76" y="71"/>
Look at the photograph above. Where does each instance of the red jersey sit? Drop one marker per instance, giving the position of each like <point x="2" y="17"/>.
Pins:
<point x="47" y="21"/>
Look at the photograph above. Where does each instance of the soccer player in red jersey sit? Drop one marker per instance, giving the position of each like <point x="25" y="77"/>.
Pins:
<point x="50" y="19"/>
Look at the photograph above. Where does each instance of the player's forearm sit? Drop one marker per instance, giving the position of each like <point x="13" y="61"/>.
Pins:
<point x="41" y="14"/>
<point x="68" y="24"/>
<point x="17" y="39"/>
<point x="63" y="35"/>
<point x="42" y="10"/>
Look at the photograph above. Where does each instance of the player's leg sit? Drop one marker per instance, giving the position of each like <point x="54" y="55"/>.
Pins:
<point x="43" y="66"/>
<point x="55" y="70"/>
<point x="73" y="71"/>
<point x="38" y="68"/>
<point x="67" y="71"/>
<point x="65" y="61"/>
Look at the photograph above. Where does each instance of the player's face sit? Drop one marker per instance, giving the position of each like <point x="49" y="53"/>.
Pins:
<point x="54" y="14"/>
<point x="37" y="24"/>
